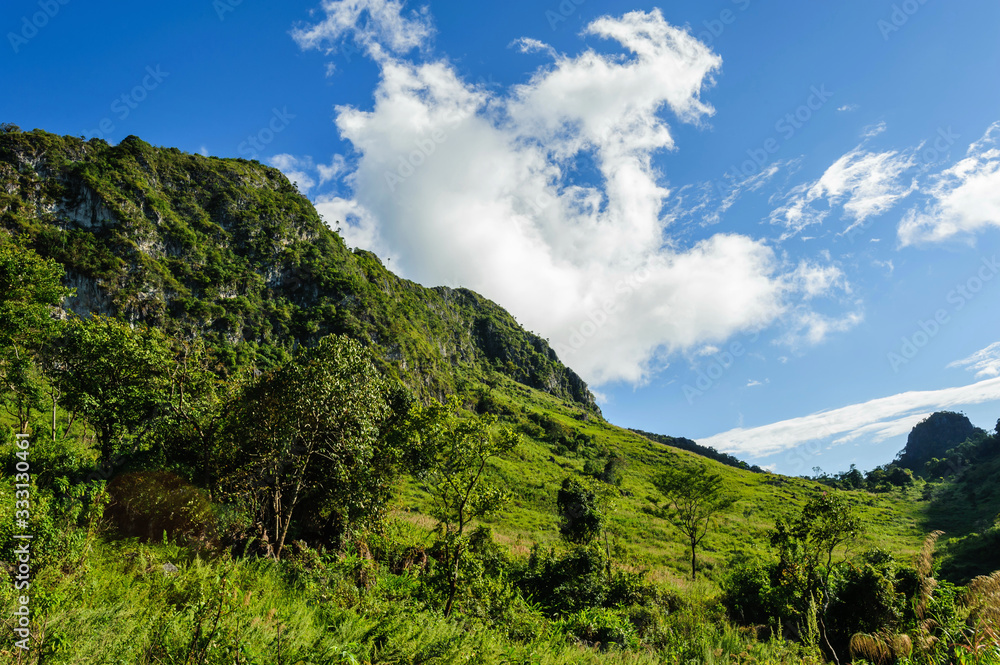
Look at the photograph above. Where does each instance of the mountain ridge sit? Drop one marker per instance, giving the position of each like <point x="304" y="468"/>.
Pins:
<point x="228" y="248"/>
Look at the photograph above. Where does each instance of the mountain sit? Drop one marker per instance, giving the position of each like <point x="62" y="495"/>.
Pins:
<point x="229" y="250"/>
<point x="934" y="436"/>
<point x="704" y="451"/>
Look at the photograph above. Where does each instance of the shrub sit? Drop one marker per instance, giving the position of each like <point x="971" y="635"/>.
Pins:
<point x="600" y="627"/>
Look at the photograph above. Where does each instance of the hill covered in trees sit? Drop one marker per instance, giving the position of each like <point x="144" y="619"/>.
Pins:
<point x="237" y="441"/>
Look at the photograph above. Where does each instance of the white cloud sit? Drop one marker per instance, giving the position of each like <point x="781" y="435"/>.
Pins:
<point x="848" y="108"/>
<point x="375" y="24"/>
<point x="296" y="169"/>
<point x="864" y="183"/>
<point x="871" y="131"/>
<point x="300" y="170"/>
<point x="812" y="279"/>
<point x="876" y="420"/>
<point x="754" y="383"/>
<point x="809" y="328"/>
<point x="985" y="362"/>
<point x="965" y="199"/>
<point x="458" y="183"/>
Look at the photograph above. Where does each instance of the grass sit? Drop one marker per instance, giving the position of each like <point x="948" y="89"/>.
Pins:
<point x="893" y="521"/>
<point x="120" y="605"/>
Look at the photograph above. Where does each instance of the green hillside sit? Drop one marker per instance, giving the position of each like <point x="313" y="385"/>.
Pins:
<point x="248" y="377"/>
<point x="229" y="250"/>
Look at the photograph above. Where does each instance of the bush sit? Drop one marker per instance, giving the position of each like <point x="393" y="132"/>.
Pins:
<point x="747" y="592"/>
<point x="599" y="627"/>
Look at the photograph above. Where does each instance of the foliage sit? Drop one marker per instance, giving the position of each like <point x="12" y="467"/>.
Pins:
<point x="30" y="287"/>
<point x="693" y="496"/>
<point x="457" y="452"/>
<point x="315" y="433"/>
<point x="111" y="374"/>
<point x="580" y="518"/>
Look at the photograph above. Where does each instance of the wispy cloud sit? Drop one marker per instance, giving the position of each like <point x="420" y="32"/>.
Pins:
<point x="378" y="25"/>
<point x="871" y="131"/>
<point x="965" y="199"/>
<point x="876" y="420"/>
<point x="985" y="362"/>
<point x="864" y="184"/>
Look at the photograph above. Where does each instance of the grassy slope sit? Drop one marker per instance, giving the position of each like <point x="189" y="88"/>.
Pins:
<point x="893" y="521"/>
<point x="967" y="509"/>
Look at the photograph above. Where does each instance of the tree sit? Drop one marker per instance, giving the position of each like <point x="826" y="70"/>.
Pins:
<point x="806" y="548"/>
<point x="316" y="432"/>
<point x="693" y="497"/>
<point x="111" y="374"/>
<point x="30" y="287"/>
<point x="456" y="453"/>
<point x="196" y="409"/>
<point x="580" y="519"/>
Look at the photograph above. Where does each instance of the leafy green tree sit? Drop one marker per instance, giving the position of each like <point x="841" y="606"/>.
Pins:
<point x="30" y="287"/>
<point x="614" y="470"/>
<point x="195" y="415"/>
<point x="580" y="518"/>
<point x="456" y="453"/>
<point x="806" y="549"/>
<point x="112" y="374"/>
<point x="316" y="432"/>
<point x="693" y="497"/>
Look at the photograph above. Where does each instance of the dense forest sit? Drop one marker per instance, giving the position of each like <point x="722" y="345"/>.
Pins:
<point x="227" y="438"/>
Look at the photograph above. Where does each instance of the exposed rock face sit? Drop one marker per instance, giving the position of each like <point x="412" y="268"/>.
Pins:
<point x="228" y="249"/>
<point x="934" y="436"/>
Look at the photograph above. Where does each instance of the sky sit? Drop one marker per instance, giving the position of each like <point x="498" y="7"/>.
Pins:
<point x="769" y="227"/>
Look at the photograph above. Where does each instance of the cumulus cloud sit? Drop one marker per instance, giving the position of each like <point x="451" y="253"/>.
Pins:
<point x="460" y="184"/>
<point x="296" y="169"/>
<point x="965" y="199"/>
<point x="985" y="362"/>
<point x="876" y="420"/>
<point x="865" y="184"/>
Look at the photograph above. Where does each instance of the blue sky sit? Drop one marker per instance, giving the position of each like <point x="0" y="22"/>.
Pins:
<point x="770" y="227"/>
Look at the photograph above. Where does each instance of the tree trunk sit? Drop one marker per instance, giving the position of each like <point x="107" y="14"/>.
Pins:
<point x="693" y="563"/>
<point x="453" y="582"/>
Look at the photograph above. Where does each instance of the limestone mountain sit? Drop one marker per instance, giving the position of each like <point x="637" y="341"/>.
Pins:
<point x="229" y="249"/>
<point x="934" y="436"/>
